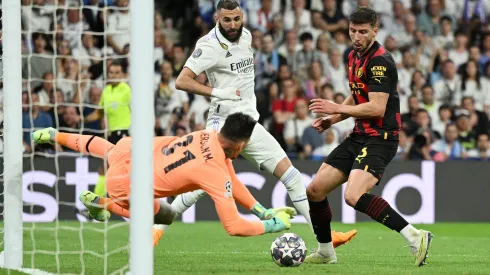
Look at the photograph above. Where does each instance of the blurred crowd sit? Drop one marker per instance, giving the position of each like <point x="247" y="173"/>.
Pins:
<point x="441" y="48"/>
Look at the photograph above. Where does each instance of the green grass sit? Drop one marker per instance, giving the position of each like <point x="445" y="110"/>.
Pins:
<point x="204" y="248"/>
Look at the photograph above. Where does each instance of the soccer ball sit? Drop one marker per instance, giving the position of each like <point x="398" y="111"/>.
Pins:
<point x="288" y="250"/>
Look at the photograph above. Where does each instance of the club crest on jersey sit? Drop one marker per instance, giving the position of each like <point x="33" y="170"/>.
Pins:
<point x="359" y="73"/>
<point x="197" y="53"/>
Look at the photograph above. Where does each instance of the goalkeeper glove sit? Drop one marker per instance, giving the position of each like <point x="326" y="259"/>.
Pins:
<point x="266" y="214"/>
<point x="230" y="93"/>
<point x="280" y="222"/>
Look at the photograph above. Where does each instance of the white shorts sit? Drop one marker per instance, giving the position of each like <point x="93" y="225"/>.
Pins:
<point x="262" y="150"/>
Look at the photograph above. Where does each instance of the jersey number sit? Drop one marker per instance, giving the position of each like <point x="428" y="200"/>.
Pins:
<point x="187" y="154"/>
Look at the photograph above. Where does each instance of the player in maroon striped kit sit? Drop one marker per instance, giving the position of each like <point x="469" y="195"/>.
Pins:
<point x="360" y="160"/>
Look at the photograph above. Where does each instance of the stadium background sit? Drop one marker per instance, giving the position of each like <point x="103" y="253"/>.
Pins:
<point x="441" y="48"/>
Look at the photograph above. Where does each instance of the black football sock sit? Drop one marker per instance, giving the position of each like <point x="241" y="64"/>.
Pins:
<point x="321" y="216"/>
<point x="380" y="210"/>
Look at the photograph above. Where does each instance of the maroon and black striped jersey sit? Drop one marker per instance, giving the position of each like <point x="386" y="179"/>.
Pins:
<point x="375" y="72"/>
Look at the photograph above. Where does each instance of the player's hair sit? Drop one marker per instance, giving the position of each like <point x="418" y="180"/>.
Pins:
<point x="364" y="15"/>
<point x="238" y="127"/>
<point x="227" y="5"/>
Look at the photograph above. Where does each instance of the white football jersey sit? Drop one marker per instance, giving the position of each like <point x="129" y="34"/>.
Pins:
<point x="227" y="65"/>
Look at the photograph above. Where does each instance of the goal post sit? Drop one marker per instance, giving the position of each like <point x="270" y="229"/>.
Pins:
<point x="142" y="122"/>
<point x="13" y="148"/>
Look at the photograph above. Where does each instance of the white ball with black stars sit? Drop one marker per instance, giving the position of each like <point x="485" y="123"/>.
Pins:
<point x="288" y="250"/>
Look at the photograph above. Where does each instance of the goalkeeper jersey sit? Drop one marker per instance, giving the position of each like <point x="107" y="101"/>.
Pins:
<point x="195" y="161"/>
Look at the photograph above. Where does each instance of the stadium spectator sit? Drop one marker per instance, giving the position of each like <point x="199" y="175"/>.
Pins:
<point x="316" y="81"/>
<point x="298" y="18"/>
<point x="466" y="135"/>
<point x="267" y="63"/>
<point x="473" y="85"/>
<point x="73" y="25"/>
<point x="295" y="127"/>
<point x="428" y="21"/>
<point x="168" y="99"/>
<point x="58" y="108"/>
<point x="86" y="53"/>
<point x="445" y="40"/>
<point x="306" y="56"/>
<point x="290" y="46"/>
<point x="33" y="119"/>
<point x="449" y="145"/>
<point x="118" y="26"/>
<point x="446" y="87"/>
<point x="336" y="73"/>
<point x="479" y="120"/>
<point x="36" y="18"/>
<point x="333" y="17"/>
<point x="277" y="30"/>
<point x="394" y="24"/>
<point x="262" y="18"/>
<point x="93" y="100"/>
<point x="428" y="102"/>
<point x="40" y="62"/>
<point x="331" y="141"/>
<point x="459" y="54"/>
<point x="283" y="108"/>
<point x="482" y="150"/>
<point x="442" y="119"/>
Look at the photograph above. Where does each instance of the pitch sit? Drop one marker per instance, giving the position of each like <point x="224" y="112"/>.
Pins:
<point x="204" y="248"/>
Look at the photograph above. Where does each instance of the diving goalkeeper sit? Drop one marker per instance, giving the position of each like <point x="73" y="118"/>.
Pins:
<point x="200" y="160"/>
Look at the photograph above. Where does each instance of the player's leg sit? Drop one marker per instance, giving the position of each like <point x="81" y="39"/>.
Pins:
<point x="86" y="144"/>
<point x="264" y="151"/>
<point x="333" y="173"/>
<point x="366" y="173"/>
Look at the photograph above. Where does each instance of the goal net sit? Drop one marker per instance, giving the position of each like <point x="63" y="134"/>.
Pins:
<point x="66" y="47"/>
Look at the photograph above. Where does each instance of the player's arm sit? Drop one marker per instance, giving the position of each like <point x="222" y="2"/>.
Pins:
<point x="339" y="117"/>
<point x="217" y="183"/>
<point x="203" y="58"/>
<point x="379" y="85"/>
<point x="375" y="108"/>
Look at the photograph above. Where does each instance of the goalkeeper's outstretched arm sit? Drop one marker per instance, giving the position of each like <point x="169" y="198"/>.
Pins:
<point x="217" y="184"/>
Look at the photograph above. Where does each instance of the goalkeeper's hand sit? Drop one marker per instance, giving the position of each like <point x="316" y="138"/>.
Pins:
<point x="280" y="222"/>
<point x="272" y="212"/>
<point x="230" y="93"/>
<point x="267" y="214"/>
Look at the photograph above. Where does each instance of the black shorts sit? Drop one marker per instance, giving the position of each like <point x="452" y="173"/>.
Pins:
<point x="115" y="136"/>
<point x="371" y="154"/>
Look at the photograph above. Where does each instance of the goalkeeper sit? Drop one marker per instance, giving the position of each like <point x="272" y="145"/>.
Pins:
<point x="200" y="160"/>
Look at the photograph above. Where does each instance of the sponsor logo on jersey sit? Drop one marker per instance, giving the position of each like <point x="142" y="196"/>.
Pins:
<point x="228" y="54"/>
<point x="244" y="66"/>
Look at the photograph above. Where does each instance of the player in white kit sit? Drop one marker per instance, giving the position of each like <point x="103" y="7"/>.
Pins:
<point x="225" y="55"/>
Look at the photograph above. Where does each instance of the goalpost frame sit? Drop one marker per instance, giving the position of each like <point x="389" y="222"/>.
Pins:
<point x="142" y="123"/>
<point x="13" y="149"/>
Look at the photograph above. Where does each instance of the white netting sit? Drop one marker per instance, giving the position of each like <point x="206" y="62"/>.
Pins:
<point x="66" y="49"/>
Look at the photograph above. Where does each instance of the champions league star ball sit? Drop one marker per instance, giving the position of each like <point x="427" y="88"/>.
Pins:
<point x="288" y="250"/>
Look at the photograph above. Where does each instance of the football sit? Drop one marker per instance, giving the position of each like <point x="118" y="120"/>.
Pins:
<point x="288" y="250"/>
